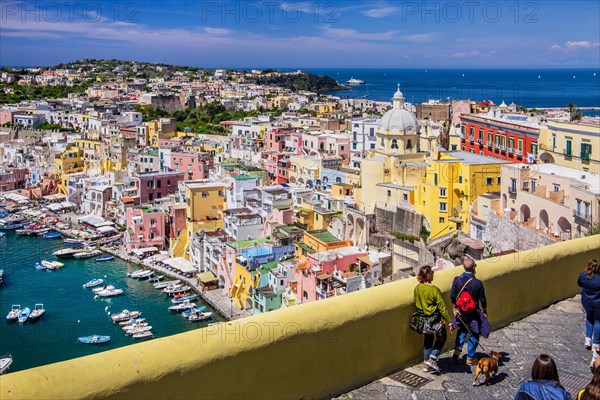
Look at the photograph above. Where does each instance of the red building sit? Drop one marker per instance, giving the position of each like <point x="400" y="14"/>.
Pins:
<point x="508" y="137"/>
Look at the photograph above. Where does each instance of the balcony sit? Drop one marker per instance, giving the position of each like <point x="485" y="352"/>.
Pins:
<point x="567" y="153"/>
<point x="317" y="330"/>
<point x="585" y="156"/>
<point x="512" y="192"/>
<point x="582" y="218"/>
<point x="519" y="152"/>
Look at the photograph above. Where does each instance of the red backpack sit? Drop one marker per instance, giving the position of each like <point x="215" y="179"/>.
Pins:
<point x="465" y="301"/>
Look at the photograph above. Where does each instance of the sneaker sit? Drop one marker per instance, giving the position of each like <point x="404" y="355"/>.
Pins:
<point x="588" y="343"/>
<point x="426" y="368"/>
<point x="456" y="356"/>
<point x="472" y="361"/>
<point x="432" y="364"/>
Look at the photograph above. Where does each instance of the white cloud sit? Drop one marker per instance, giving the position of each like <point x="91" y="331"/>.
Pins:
<point x="582" y="44"/>
<point x="555" y="47"/>
<point x="380" y="12"/>
<point x="352" y="34"/>
<point x="420" y="37"/>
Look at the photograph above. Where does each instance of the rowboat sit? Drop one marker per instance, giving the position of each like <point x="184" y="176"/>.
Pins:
<point x="14" y="312"/>
<point x="94" y="339"/>
<point x="51" y="235"/>
<point x="125" y="315"/>
<point x="105" y="258"/>
<point x="24" y="314"/>
<point x="38" y="311"/>
<point x="39" y="266"/>
<point x="93" y="282"/>
<point x="184" y="299"/>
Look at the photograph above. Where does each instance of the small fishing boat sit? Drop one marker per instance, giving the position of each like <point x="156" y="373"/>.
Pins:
<point x="39" y="266"/>
<point x="191" y="311"/>
<point x="38" y="311"/>
<point x="96" y="290"/>
<point x="139" y="329"/>
<point x="143" y="335"/>
<point x="24" y="314"/>
<point x="24" y="231"/>
<point x="184" y="299"/>
<point x="51" y="235"/>
<point x="52" y="264"/>
<point x="132" y="321"/>
<point x="110" y="292"/>
<point x="87" y="254"/>
<point x="93" y="282"/>
<point x="144" y="273"/>
<point x="13" y="222"/>
<point x="156" y="278"/>
<point x="162" y="285"/>
<point x="105" y="258"/>
<point x="125" y="315"/>
<point x="14" y="312"/>
<point x="200" y="316"/>
<point x="72" y="242"/>
<point x="69" y="252"/>
<point x="180" y="295"/>
<point x="175" y="289"/>
<point x="134" y="326"/>
<point x="94" y="339"/>
<point x="182" y="307"/>
<point x="5" y="363"/>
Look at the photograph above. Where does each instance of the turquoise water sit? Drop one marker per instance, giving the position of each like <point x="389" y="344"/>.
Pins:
<point x="71" y="311"/>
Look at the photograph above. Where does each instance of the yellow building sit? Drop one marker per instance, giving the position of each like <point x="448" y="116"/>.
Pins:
<point x="68" y="162"/>
<point x="304" y="170"/>
<point x="451" y="184"/>
<point x="205" y="203"/>
<point x="245" y="279"/>
<point x="164" y="128"/>
<point x="571" y="144"/>
<point x="316" y="217"/>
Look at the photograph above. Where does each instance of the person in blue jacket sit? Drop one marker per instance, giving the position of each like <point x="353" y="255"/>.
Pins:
<point x="589" y="281"/>
<point x="544" y="383"/>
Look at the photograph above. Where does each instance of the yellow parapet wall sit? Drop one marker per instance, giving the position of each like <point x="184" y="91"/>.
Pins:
<point x="310" y="351"/>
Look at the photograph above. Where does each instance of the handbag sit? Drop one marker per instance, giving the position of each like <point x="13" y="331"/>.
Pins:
<point x="426" y="324"/>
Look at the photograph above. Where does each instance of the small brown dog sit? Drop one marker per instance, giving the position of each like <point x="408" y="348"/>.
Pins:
<point x="487" y="365"/>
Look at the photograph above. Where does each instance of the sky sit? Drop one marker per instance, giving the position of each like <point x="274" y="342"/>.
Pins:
<point x="305" y="34"/>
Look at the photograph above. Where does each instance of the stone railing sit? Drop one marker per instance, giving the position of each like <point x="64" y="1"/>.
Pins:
<point x="315" y="350"/>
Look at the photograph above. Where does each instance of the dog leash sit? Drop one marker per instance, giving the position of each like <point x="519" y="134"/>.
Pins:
<point x="471" y="332"/>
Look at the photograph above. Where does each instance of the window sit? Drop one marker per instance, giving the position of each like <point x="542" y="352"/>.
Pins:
<point x="498" y="179"/>
<point x="586" y="151"/>
<point x="569" y="150"/>
<point x="372" y="146"/>
<point x="489" y="137"/>
<point x="471" y="132"/>
<point x="442" y="220"/>
<point x="511" y="143"/>
<point x="389" y="193"/>
<point x="556" y="187"/>
<point x="442" y="192"/>
<point x="443" y="207"/>
<point x="480" y="134"/>
<point x="453" y="147"/>
<point x="341" y="148"/>
<point x="435" y="179"/>
<point x="353" y="146"/>
<point x="526" y="185"/>
<point x="371" y="131"/>
<point x="204" y="195"/>
<point x="513" y="185"/>
<point x="158" y="184"/>
<point x="533" y="148"/>
<point x="405" y="197"/>
<point x="489" y="181"/>
<point x="460" y="179"/>
<point x="409" y="144"/>
<point x="394" y="144"/>
<point x="462" y="129"/>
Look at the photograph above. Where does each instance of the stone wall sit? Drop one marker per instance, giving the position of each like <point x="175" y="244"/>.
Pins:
<point x="406" y="256"/>
<point x="400" y="220"/>
<point x="504" y="234"/>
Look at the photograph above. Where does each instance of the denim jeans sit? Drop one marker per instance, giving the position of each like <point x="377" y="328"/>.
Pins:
<point x="460" y="341"/>
<point x="592" y="326"/>
<point x="431" y="349"/>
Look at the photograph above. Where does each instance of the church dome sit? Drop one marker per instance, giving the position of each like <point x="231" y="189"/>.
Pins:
<point x="398" y="120"/>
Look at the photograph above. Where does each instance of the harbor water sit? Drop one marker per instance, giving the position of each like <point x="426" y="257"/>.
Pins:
<point x="71" y="310"/>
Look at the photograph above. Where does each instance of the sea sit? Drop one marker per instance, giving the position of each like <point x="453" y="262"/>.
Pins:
<point x="71" y="310"/>
<point x="531" y="88"/>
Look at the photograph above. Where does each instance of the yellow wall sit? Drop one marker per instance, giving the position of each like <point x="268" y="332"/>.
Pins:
<point x="204" y="213"/>
<point x="554" y="142"/>
<point x="68" y="162"/>
<point x="228" y="360"/>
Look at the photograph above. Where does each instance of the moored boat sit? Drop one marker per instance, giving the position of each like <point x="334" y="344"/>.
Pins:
<point x="105" y="258"/>
<point x="39" y="266"/>
<point x="24" y="231"/>
<point x="141" y="274"/>
<point x="182" y="306"/>
<point x="96" y="290"/>
<point x="93" y="339"/>
<point x="87" y="254"/>
<point x="143" y="335"/>
<point x="200" y="316"/>
<point x="14" y="312"/>
<point x="189" y="312"/>
<point x="12" y="222"/>
<point x="162" y="285"/>
<point x="72" y="241"/>
<point x="24" y="314"/>
<point x="93" y="282"/>
<point x="38" y="311"/>
<point x="66" y="253"/>
<point x="134" y="325"/>
<point x="52" y="264"/>
<point x="175" y="289"/>
<point x="156" y="278"/>
<point x="110" y="292"/>
<point x="125" y="315"/>
<point x="5" y="363"/>
<point x="132" y="321"/>
<point x="51" y="235"/>
<point x="183" y="299"/>
<point x="138" y="329"/>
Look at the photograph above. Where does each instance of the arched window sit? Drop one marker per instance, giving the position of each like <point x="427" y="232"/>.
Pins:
<point x="382" y="142"/>
<point x="394" y="144"/>
<point x="338" y="180"/>
<point x="409" y="144"/>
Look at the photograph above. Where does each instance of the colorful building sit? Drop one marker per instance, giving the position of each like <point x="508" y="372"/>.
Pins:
<point x="572" y="144"/>
<point x="145" y="228"/>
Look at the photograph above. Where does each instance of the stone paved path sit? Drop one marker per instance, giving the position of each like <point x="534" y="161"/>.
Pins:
<point x="557" y="330"/>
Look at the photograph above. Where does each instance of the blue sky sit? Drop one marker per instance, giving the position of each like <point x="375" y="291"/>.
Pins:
<point x="338" y="34"/>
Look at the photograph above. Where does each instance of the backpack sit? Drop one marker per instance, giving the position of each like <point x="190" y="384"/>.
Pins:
<point x="465" y="301"/>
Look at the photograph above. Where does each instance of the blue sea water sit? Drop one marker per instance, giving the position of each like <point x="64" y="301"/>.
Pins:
<point x="526" y="87"/>
<point x="71" y="310"/>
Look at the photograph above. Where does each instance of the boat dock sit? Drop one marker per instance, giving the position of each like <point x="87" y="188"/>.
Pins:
<point x="221" y="304"/>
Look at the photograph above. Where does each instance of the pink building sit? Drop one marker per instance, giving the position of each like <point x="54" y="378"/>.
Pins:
<point x="327" y="144"/>
<point x="145" y="228"/>
<point x="195" y="165"/>
<point x="155" y="185"/>
<point x="6" y="116"/>
<point x="13" y="178"/>
<point x="176" y="220"/>
<point x="321" y="266"/>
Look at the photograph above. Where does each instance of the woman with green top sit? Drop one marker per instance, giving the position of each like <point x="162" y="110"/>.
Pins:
<point x="428" y="299"/>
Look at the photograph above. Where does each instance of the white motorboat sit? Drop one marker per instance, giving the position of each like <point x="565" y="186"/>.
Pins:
<point x="176" y="289"/>
<point x="186" y="305"/>
<point x="200" y="316"/>
<point x="14" y="312"/>
<point x="13" y="222"/>
<point x="143" y="335"/>
<point x="132" y="322"/>
<point x="69" y="252"/>
<point x="134" y="325"/>
<point x="51" y="265"/>
<point x="94" y="282"/>
<point x="125" y="315"/>
<point x="99" y="289"/>
<point x="141" y="274"/>
<point x="162" y="285"/>
<point x="37" y="312"/>
<point x="5" y="363"/>
<point x="354" y="81"/>
<point x="138" y="329"/>
<point x="110" y="292"/>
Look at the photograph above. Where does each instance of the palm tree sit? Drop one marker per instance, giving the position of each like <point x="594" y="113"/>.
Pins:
<point x="572" y="107"/>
